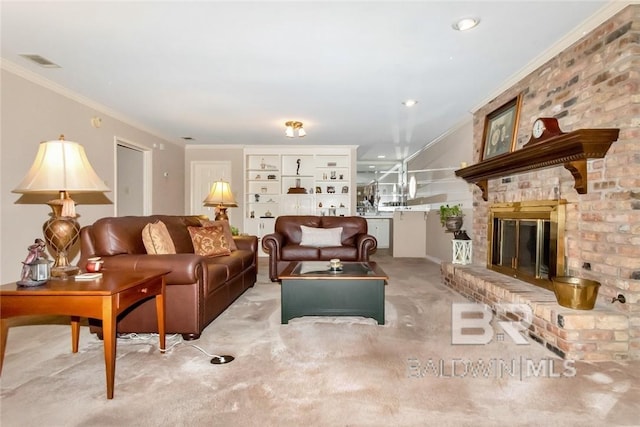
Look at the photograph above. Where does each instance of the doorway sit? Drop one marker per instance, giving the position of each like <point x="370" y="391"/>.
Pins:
<point x="133" y="181"/>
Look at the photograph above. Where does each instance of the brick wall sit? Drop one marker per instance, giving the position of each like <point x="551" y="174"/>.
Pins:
<point x="595" y="83"/>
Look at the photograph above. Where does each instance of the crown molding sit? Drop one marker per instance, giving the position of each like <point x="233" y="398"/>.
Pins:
<point x="594" y="21"/>
<point x="68" y="93"/>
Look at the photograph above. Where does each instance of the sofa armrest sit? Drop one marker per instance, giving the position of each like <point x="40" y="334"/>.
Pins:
<point x="185" y="268"/>
<point x="272" y="244"/>
<point x="366" y="245"/>
<point x="249" y="243"/>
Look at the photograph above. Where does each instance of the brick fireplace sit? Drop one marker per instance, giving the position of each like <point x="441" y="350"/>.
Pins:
<point x="593" y="84"/>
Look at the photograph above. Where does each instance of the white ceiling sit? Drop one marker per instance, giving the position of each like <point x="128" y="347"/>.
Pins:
<point x="234" y="72"/>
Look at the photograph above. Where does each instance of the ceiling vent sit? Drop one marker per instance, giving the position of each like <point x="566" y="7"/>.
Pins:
<point x="40" y="60"/>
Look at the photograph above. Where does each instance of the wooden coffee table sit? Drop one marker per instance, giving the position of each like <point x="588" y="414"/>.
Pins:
<point x="311" y="288"/>
<point x="103" y="299"/>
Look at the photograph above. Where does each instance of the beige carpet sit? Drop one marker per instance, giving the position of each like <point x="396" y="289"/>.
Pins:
<point x="313" y="372"/>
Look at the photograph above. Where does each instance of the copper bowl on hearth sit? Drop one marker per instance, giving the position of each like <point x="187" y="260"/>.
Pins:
<point x="576" y="293"/>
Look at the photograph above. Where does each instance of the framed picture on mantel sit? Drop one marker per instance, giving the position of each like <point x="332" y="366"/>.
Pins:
<point x="500" y="128"/>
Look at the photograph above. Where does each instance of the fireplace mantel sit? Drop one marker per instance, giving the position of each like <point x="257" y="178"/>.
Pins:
<point x="571" y="149"/>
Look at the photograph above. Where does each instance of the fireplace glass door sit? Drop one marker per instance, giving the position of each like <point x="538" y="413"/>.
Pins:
<point x="522" y="245"/>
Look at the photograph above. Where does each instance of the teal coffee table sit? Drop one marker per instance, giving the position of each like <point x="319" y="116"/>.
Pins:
<point x="312" y="288"/>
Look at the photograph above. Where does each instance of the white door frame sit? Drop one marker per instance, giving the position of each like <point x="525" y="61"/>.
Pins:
<point x="147" y="156"/>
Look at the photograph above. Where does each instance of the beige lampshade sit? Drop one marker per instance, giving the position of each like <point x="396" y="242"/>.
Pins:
<point x="220" y="195"/>
<point x="61" y="166"/>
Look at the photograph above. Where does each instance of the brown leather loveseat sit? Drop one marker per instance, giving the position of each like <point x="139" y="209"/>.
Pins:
<point x="199" y="288"/>
<point x="284" y="245"/>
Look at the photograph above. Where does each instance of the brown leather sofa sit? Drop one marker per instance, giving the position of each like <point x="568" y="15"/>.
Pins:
<point x="198" y="288"/>
<point x="283" y="246"/>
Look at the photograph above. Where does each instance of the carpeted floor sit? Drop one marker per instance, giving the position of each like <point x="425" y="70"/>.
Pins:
<point x="315" y="371"/>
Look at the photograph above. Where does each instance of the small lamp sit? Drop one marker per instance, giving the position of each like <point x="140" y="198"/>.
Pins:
<point x="60" y="167"/>
<point x="222" y="198"/>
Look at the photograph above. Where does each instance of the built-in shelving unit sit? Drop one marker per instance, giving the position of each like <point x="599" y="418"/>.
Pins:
<point x="296" y="181"/>
<point x="572" y="150"/>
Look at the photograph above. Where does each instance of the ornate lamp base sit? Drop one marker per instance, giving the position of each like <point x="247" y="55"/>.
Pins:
<point x="222" y="214"/>
<point x="65" y="271"/>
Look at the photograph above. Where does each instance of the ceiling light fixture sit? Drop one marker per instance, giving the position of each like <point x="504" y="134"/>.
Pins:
<point x="409" y="102"/>
<point x="465" y="24"/>
<point x="291" y="127"/>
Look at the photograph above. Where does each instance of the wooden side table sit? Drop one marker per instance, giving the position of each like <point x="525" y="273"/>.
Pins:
<point x="103" y="299"/>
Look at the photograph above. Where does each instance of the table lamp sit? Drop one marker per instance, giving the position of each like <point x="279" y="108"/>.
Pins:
<point x="61" y="167"/>
<point x="222" y="198"/>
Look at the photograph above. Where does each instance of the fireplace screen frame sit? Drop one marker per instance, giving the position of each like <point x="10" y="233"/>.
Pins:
<point x="552" y="211"/>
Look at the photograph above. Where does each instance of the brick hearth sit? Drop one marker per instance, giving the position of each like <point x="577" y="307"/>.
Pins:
<point x="598" y="334"/>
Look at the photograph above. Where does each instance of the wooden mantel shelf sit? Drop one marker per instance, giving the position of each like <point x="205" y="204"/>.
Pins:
<point x="571" y="149"/>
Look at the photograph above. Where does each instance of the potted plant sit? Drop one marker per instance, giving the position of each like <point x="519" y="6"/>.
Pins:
<point x="451" y="217"/>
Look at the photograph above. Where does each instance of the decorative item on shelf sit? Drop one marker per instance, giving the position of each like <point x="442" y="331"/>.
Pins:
<point x="252" y="214"/>
<point x="345" y="189"/>
<point x="342" y="205"/>
<point x="500" y="129"/>
<point x="332" y="211"/>
<point x="576" y="293"/>
<point x="320" y="204"/>
<point x="298" y="182"/>
<point x="291" y="127"/>
<point x="256" y="197"/>
<point x="333" y="175"/>
<point x="259" y="177"/>
<point x="222" y="198"/>
<point x="61" y="167"/>
<point x="268" y="214"/>
<point x="271" y="201"/>
<point x="263" y="165"/>
<point x="271" y="177"/>
<point x="297" y="190"/>
<point x="331" y="189"/>
<point x="298" y="167"/>
<point x="451" y="217"/>
<point x="263" y="189"/>
<point x="318" y="190"/>
<point x="341" y="176"/>
<point x="332" y="164"/>
<point x="35" y="267"/>
<point x="324" y="176"/>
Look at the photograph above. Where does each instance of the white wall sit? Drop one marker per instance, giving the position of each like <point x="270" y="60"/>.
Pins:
<point x="441" y="186"/>
<point x="32" y="113"/>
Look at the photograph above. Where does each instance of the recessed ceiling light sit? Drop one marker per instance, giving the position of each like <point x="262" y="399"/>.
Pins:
<point x="465" y="24"/>
<point x="187" y="138"/>
<point x="409" y="102"/>
<point x="381" y="156"/>
<point x="372" y="167"/>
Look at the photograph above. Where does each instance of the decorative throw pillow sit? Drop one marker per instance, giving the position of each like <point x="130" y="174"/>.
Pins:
<point x="209" y="241"/>
<point x="227" y="232"/>
<point x="321" y="237"/>
<point x="157" y="240"/>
